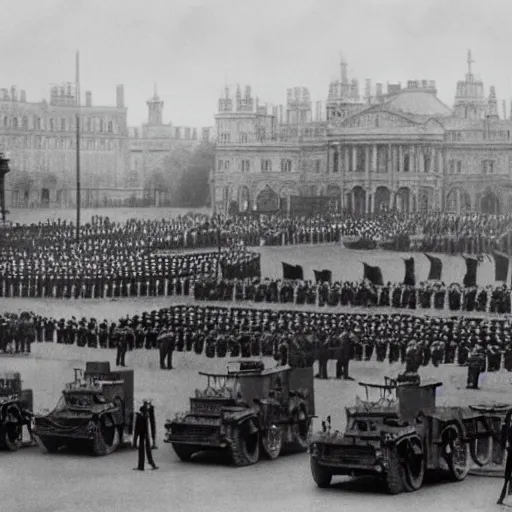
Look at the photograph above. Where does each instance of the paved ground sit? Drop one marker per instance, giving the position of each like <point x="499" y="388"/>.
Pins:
<point x="35" y="482"/>
<point x="67" y="482"/>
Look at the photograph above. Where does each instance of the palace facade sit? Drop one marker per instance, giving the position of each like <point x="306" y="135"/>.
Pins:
<point x="399" y="148"/>
<point x="116" y="162"/>
<point x="39" y="138"/>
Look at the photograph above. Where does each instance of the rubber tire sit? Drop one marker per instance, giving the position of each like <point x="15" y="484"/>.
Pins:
<point x="240" y="455"/>
<point x="301" y="444"/>
<point x="412" y="484"/>
<point x="454" y="477"/>
<point x="48" y="444"/>
<point x="395" y="474"/>
<point x="321" y="475"/>
<point x="265" y="449"/>
<point x="6" y="443"/>
<point x="100" y="447"/>
<point x="184" y="452"/>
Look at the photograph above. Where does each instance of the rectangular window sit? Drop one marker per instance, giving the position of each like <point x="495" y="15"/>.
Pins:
<point x="286" y="165"/>
<point x="459" y="166"/>
<point x="63" y="125"/>
<point x="110" y="127"/>
<point x="317" y="166"/>
<point x="245" y="165"/>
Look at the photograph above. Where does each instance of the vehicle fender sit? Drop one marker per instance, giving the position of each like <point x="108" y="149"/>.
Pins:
<point x="238" y="417"/>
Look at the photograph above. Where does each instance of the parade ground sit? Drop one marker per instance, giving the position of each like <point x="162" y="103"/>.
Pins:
<point x="34" y="482"/>
<point x="67" y="482"/>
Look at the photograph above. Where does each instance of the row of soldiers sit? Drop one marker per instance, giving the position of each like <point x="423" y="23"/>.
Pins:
<point x="195" y="230"/>
<point x="426" y="295"/>
<point x="219" y="332"/>
<point x="149" y="275"/>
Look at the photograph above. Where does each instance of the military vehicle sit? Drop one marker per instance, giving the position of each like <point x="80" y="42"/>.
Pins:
<point x="94" y="413"/>
<point x="247" y="411"/>
<point x="402" y="435"/>
<point x="15" y="410"/>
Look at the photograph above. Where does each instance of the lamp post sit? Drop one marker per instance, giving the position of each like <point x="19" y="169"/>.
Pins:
<point x="219" y="251"/>
<point x="4" y="169"/>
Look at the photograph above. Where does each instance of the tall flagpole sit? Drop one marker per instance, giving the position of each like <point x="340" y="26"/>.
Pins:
<point x="78" y="197"/>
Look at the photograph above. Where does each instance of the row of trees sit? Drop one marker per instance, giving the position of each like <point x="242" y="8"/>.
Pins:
<point x="184" y="179"/>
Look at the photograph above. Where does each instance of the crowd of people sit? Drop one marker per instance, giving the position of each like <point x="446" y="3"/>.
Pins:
<point x="425" y="295"/>
<point x="438" y="231"/>
<point x="104" y="268"/>
<point x="235" y="332"/>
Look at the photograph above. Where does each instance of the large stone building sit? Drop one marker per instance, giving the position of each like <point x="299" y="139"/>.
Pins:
<point x="116" y="162"/>
<point x="40" y="140"/>
<point x="153" y="142"/>
<point x="401" y="148"/>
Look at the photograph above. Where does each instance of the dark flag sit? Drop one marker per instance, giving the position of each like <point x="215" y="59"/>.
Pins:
<point x="410" y="278"/>
<point x="288" y="271"/>
<point x="436" y="268"/>
<point x="323" y="276"/>
<point x="501" y="266"/>
<point x="373" y="274"/>
<point x="292" y="272"/>
<point x="470" y="277"/>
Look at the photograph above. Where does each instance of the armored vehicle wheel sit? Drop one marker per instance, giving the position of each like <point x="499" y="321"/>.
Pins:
<point x="272" y="442"/>
<point x="10" y="436"/>
<point x="395" y="473"/>
<point x="456" y="453"/>
<point x="413" y="463"/>
<point x="50" y="445"/>
<point x="184" y="451"/>
<point x="245" y="448"/>
<point x="107" y="437"/>
<point x="300" y="430"/>
<point x="322" y="476"/>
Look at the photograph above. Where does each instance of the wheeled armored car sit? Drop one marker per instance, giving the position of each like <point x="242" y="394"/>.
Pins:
<point x="94" y="413"/>
<point x="401" y="435"/>
<point x="247" y="411"/>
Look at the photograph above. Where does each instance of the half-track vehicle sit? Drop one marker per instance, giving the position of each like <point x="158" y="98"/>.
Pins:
<point x="247" y="411"/>
<point x="400" y="434"/>
<point x="94" y="413"/>
<point x="15" y="411"/>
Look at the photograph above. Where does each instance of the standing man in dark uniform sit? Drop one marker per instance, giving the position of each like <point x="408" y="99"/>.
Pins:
<point x="121" y="346"/>
<point x="142" y="434"/>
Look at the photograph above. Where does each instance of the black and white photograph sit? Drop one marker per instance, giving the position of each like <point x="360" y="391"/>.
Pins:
<point x="256" y="256"/>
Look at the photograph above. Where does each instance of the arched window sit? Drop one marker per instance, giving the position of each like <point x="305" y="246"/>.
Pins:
<point x="15" y="122"/>
<point x="63" y="125"/>
<point x="51" y="125"/>
<point x="243" y="138"/>
<point x="110" y="127"/>
<point x="6" y="121"/>
<point x="24" y="122"/>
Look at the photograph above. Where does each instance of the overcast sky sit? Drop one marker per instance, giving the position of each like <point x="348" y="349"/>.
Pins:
<point x="192" y="48"/>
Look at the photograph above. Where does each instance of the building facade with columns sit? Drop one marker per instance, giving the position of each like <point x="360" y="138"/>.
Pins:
<point x="397" y="148"/>
<point x="40" y="140"/>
